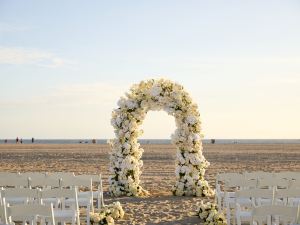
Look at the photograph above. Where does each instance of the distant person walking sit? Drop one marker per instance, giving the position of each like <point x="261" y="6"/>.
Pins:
<point x="32" y="140"/>
<point x="21" y="141"/>
<point x="17" y="140"/>
<point x="5" y="141"/>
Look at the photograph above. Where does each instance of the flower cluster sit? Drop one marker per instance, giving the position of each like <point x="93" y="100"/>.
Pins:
<point x="125" y="159"/>
<point x="107" y="214"/>
<point x="210" y="215"/>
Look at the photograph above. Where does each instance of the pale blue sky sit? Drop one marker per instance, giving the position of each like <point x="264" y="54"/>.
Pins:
<point x="64" y="64"/>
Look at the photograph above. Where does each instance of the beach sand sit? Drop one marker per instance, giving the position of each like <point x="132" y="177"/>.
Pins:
<point x="158" y="171"/>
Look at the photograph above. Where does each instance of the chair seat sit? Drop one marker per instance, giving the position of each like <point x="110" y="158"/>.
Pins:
<point x="16" y="200"/>
<point x="96" y="194"/>
<point x="83" y="193"/>
<point x="81" y="201"/>
<point x="265" y="201"/>
<point x="48" y="201"/>
<point x="241" y="201"/>
<point x="64" y="214"/>
<point x="246" y="214"/>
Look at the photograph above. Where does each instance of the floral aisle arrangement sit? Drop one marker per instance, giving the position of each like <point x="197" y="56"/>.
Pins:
<point x="125" y="159"/>
<point x="210" y="214"/>
<point x="107" y="214"/>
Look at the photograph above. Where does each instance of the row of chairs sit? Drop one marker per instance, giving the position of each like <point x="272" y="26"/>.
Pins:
<point x="259" y="179"/>
<point x="229" y="185"/>
<point x="275" y="214"/>
<point x="41" y="209"/>
<point x="65" y="192"/>
<point x="245" y="202"/>
<point x="85" y="182"/>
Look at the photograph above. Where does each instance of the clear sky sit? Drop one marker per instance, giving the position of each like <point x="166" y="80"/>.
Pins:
<point x="64" y="64"/>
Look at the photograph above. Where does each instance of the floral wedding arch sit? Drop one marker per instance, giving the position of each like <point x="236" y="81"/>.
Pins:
<point x="125" y="158"/>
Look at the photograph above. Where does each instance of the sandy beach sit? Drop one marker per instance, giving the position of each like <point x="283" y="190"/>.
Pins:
<point x="158" y="174"/>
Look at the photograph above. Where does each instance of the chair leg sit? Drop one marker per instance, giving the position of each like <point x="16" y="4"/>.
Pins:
<point x="102" y="199"/>
<point x="78" y="218"/>
<point x="238" y="220"/>
<point x="88" y="215"/>
<point x="269" y="220"/>
<point x="98" y="201"/>
<point x="228" y="214"/>
<point x="73" y="220"/>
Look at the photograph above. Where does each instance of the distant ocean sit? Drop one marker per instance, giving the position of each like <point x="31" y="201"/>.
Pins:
<point x="157" y="141"/>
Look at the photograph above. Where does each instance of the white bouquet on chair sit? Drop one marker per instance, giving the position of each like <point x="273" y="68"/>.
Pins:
<point x="125" y="159"/>
<point x="107" y="214"/>
<point x="210" y="214"/>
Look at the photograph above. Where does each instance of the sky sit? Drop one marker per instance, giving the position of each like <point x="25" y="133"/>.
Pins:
<point x="65" y="64"/>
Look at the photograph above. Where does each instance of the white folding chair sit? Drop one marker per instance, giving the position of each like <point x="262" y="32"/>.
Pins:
<point x="281" y="214"/>
<point x="220" y="181"/>
<point x="15" y="196"/>
<point x="32" y="213"/>
<point x="97" y="181"/>
<point x="63" y="214"/>
<point x="231" y="186"/>
<point x="247" y="199"/>
<point x="85" y="198"/>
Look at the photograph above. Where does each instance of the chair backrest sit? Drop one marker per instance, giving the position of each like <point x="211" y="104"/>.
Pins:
<point x="289" y="175"/>
<point x="14" y="181"/>
<point x="273" y="182"/>
<point x="29" y="212"/>
<point x="77" y="182"/>
<point x="240" y="183"/>
<point x="19" y="193"/>
<point x="44" y="182"/>
<point x="255" y="195"/>
<point x="285" y="213"/>
<point x="258" y="174"/>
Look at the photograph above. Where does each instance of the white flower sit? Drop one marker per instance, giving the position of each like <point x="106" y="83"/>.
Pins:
<point x="191" y="120"/>
<point x="131" y="104"/>
<point x="122" y="102"/>
<point x="155" y="90"/>
<point x="127" y="146"/>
